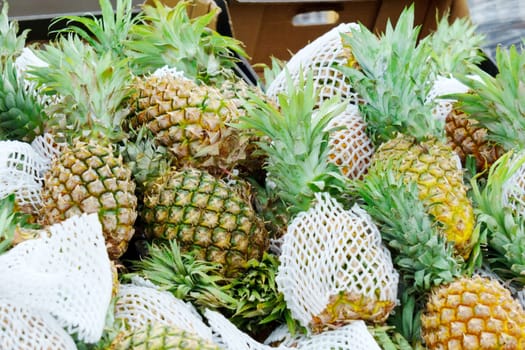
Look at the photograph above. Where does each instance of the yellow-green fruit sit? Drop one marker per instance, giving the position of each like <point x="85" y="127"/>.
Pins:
<point x="89" y="178"/>
<point x="208" y="217"/>
<point x="473" y="313"/>
<point x="191" y="120"/>
<point x="160" y="337"/>
<point x="434" y="166"/>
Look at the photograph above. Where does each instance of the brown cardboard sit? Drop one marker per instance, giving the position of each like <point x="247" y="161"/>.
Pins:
<point x="266" y="27"/>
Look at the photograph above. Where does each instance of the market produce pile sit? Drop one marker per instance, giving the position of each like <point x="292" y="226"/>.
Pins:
<point x="369" y="193"/>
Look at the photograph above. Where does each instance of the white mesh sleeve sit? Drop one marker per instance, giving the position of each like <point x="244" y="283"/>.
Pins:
<point x="320" y="57"/>
<point x="332" y="250"/>
<point x="354" y="336"/>
<point x="444" y="86"/>
<point x="25" y="329"/>
<point x="47" y="148"/>
<point x="21" y="171"/>
<point x="65" y="272"/>
<point x="350" y="147"/>
<point x="141" y="305"/>
<point x="513" y="191"/>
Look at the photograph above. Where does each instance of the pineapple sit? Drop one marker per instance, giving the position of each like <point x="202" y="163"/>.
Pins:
<point x="336" y="252"/>
<point x="394" y="80"/>
<point x="473" y="313"/>
<point x="497" y="103"/>
<point x="88" y="176"/>
<point x="160" y="337"/>
<point x="468" y="138"/>
<point x="206" y="216"/>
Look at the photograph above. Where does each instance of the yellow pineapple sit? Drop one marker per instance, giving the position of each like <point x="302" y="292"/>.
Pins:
<point x="394" y="79"/>
<point x="473" y="313"/>
<point x="88" y="176"/>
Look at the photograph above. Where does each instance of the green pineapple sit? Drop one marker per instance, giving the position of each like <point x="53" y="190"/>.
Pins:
<point x="206" y="216"/>
<point x="394" y="80"/>
<point x="89" y="175"/>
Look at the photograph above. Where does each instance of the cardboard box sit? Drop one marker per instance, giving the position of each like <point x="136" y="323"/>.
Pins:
<point x="266" y="27"/>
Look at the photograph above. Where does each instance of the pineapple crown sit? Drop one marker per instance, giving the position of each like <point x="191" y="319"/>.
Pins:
<point x="505" y="229"/>
<point x="168" y="36"/>
<point x="188" y="279"/>
<point x="498" y="103"/>
<point x="10" y="220"/>
<point x="22" y="114"/>
<point x="421" y="254"/>
<point x="91" y="87"/>
<point x="11" y="44"/>
<point x="107" y="33"/>
<point x="394" y="77"/>
<point x="297" y="162"/>
<point x="455" y="48"/>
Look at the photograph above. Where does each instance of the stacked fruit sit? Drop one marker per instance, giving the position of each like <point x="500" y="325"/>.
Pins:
<point x="307" y="209"/>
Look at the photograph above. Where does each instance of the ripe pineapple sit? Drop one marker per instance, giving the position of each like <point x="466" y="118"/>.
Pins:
<point x="181" y="102"/>
<point x="160" y="337"/>
<point x="467" y="138"/>
<point x="206" y="216"/>
<point x="394" y="80"/>
<point x="473" y="313"/>
<point x="88" y="176"/>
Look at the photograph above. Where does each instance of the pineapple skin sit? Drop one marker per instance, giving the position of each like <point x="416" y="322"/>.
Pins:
<point x="207" y="217"/>
<point x="160" y="337"/>
<point x="190" y="120"/>
<point x="89" y="178"/>
<point x="473" y="313"/>
<point x="467" y="138"/>
<point x="433" y="166"/>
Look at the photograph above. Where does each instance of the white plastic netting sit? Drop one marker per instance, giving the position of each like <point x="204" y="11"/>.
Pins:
<point x="65" y="272"/>
<point x="332" y="250"/>
<point x="513" y="191"/>
<point x="28" y="60"/>
<point x="21" y="173"/>
<point x="25" y="329"/>
<point x="139" y="305"/>
<point x="354" y="336"/>
<point x="444" y="86"/>
<point x="321" y="57"/>
<point x="350" y="147"/>
<point x="48" y="148"/>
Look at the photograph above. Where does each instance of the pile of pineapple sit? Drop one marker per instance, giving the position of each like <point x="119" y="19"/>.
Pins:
<point x="368" y="194"/>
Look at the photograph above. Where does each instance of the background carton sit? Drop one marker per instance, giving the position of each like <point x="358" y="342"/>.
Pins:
<point x="266" y="28"/>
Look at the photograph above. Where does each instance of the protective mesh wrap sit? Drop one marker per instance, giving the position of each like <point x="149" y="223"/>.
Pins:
<point x="21" y="170"/>
<point x="331" y="250"/>
<point x="24" y="329"/>
<point x="513" y="191"/>
<point x="140" y="305"/>
<point x="350" y="147"/>
<point x="230" y="337"/>
<point x="444" y="86"/>
<point x="321" y="58"/>
<point x="354" y="336"/>
<point x="65" y="272"/>
<point x="28" y="60"/>
<point x="47" y="148"/>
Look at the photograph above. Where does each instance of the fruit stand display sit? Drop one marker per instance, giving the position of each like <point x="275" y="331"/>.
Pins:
<point x="368" y="193"/>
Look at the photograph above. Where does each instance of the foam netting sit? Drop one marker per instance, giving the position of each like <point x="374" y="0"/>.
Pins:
<point x="513" y="191"/>
<point x="320" y="57"/>
<point x="65" y="272"/>
<point x="354" y="336"/>
<point x="332" y="250"/>
<point x="139" y="305"/>
<point x="47" y="148"/>
<point x="27" y="329"/>
<point x="350" y="147"/>
<point x="21" y="173"/>
<point x="444" y="86"/>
